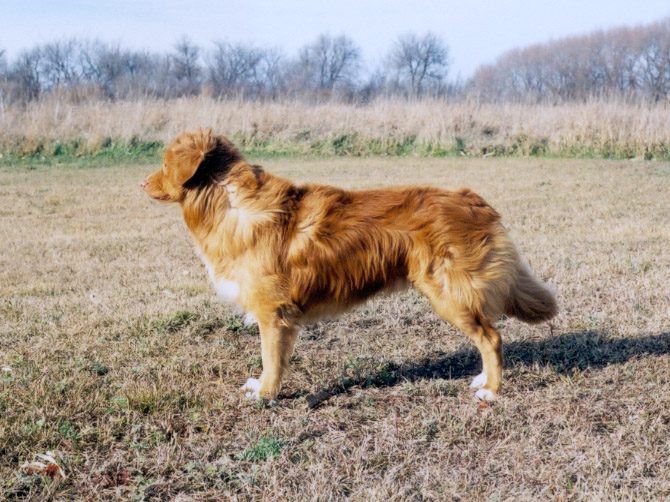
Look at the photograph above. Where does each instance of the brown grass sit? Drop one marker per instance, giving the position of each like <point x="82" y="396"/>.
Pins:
<point x="605" y="129"/>
<point x="116" y="357"/>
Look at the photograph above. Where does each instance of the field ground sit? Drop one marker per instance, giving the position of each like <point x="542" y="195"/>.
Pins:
<point x="116" y="357"/>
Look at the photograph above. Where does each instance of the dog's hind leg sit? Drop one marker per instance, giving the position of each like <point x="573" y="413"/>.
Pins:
<point x="485" y="337"/>
<point x="277" y="341"/>
<point x="488" y="342"/>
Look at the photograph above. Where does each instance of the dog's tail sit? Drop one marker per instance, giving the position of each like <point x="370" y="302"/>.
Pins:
<point x="530" y="300"/>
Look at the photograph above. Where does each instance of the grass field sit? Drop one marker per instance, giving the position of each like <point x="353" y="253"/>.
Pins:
<point x="116" y="357"/>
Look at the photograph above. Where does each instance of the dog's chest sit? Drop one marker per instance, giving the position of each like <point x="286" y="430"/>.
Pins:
<point x="226" y="289"/>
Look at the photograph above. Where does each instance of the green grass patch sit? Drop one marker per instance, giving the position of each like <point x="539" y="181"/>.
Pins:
<point x="264" y="449"/>
<point x="172" y="322"/>
<point x="78" y="151"/>
<point x="109" y="151"/>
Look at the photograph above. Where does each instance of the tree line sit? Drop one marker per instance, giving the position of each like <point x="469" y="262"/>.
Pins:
<point x="630" y="63"/>
<point x="621" y="62"/>
<point x="329" y="67"/>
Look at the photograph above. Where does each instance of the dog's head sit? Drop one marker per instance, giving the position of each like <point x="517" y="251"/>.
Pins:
<point x="193" y="159"/>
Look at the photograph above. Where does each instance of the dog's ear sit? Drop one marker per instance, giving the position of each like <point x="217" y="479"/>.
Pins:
<point x="187" y="152"/>
<point x="201" y="156"/>
<point x="218" y="161"/>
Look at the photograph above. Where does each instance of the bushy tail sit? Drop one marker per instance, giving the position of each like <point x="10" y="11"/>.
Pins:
<point x="530" y="300"/>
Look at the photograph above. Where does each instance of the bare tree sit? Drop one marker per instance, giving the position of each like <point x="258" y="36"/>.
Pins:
<point x="375" y="84"/>
<point x="233" y="67"/>
<point x="152" y="74"/>
<point x="60" y="64"/>
<point x="271" y="79"/>
<point x="654" y="67"/>
<point x="420" y="60"/>
<point x="329" y="62"/>
<point x="24" y="75"/>
<point x="186" y="67"/>
<point x="88" y="60"/>
<point x="112" y="66"/>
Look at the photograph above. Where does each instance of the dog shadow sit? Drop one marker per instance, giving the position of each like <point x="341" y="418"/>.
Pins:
<point x="563" y="354"/>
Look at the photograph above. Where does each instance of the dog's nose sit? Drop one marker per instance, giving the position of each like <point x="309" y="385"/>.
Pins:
<point x="144" y="184"/>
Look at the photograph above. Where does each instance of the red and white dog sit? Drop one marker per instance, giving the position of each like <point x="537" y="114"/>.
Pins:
<point x="290" y="254"/>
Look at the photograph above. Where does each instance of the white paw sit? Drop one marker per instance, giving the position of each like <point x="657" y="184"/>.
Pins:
<point x="250" y="319"/>
<point x="479" y="381"/>
<point x="253" y="386"/>
<point x="485" y="395"/>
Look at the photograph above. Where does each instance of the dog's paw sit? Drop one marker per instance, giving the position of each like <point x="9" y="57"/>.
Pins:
<point x="253" y="386"/>
<point x="479" y="381"/>
<point x="485" y="395"/>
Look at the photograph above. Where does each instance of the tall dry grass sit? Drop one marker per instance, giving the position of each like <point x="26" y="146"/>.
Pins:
<point x="597" y="128"/>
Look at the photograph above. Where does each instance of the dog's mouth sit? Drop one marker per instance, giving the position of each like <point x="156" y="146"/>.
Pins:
<point x="164" y="198"/>
<point x="144" y="184"/>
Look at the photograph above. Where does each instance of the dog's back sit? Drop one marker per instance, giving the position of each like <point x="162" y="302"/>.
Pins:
<point x="347" y="245"/>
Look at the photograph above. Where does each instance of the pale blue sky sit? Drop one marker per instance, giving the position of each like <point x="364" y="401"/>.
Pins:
<point x="477" y="31"/>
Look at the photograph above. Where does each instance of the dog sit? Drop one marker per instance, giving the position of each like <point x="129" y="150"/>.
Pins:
<point x="291" y="254"/>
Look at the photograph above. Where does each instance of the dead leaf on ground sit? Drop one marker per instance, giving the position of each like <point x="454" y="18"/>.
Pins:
<point x="50" y="469"/>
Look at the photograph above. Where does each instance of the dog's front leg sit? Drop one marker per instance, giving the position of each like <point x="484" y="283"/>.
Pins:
<point x="277" y="341"/>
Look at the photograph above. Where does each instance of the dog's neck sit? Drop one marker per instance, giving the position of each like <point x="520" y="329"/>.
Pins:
<point x="224" y="215"/>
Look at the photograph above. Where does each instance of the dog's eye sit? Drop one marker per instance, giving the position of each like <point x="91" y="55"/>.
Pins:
<point x="164" y="169"/>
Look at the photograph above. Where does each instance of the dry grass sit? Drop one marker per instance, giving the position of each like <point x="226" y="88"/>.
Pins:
<point x="605" y="129"/>
<point x="116" y="357"/>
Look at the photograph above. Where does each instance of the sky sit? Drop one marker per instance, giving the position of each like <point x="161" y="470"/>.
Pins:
<point x="476" y="31"/>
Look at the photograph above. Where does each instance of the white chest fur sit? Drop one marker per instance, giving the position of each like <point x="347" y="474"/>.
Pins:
<point x="227" y="290"/>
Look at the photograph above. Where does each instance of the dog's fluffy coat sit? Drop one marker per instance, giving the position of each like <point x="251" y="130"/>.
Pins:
<point x="291" y="254"/>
